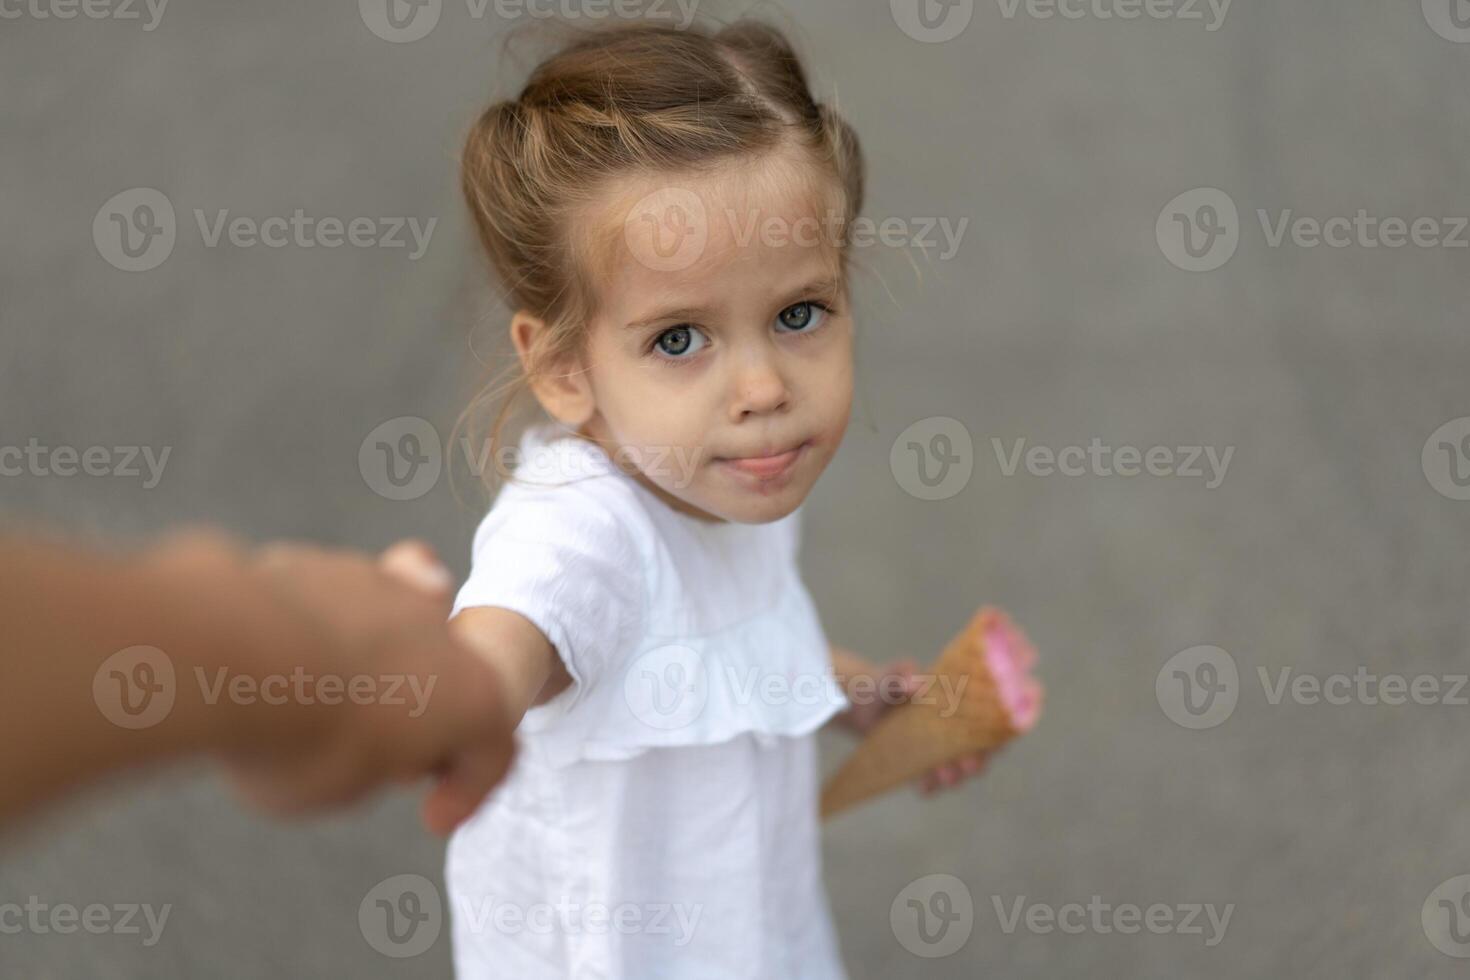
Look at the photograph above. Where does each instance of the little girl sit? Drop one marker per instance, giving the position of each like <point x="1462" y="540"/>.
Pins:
<point x="664" y="209"/>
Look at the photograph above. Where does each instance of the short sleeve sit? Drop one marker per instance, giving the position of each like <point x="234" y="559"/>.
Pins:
<point x="565" y="561"/>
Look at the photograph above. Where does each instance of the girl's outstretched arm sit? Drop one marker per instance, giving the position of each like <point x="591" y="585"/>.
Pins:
<point x="530" y="671"/>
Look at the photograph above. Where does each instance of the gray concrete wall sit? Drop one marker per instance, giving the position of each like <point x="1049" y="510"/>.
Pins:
<point x="1328" y="547"/>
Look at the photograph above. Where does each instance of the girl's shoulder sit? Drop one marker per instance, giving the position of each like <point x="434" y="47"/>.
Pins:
<point x="565" y="489"/>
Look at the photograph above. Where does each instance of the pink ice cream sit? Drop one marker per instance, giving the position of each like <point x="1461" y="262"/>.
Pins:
<point x="1009" y="657"/>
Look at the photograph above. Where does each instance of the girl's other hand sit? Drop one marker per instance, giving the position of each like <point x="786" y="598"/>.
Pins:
<point x="895" y="683"/>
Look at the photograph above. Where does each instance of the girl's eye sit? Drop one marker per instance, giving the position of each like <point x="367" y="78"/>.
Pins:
<point x="678" y="343"/>
<point x="682" y="342"/>
<point x="801" y="316"/>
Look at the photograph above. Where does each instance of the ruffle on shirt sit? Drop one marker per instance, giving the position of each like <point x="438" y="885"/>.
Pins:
<point x="770" y="676"/>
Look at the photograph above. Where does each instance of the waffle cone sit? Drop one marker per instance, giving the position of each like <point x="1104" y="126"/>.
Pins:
<point x="990" y="699"/>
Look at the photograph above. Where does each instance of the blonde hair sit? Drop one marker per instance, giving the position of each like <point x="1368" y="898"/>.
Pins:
<point x="628" y="100"/>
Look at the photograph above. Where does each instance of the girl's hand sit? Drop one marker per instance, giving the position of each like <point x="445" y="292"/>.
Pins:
<point x="890" y="686"/>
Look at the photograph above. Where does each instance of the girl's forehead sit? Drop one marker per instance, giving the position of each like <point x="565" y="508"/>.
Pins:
<point x="686" y="226"/>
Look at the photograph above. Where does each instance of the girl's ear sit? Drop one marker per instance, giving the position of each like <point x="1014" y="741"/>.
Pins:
<point x="562" y="387"/>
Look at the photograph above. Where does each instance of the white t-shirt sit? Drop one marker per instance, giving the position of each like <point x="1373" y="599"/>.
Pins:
<point x="660" y="821"/>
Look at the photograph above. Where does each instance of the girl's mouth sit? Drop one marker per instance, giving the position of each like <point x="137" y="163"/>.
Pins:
<point x="766" y="467"/>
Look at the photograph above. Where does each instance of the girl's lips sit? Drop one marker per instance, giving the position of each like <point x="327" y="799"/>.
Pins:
<point x="766" y="467"/>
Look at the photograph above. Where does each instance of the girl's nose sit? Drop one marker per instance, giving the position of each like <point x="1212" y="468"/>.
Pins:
<point x="759" y="387"/>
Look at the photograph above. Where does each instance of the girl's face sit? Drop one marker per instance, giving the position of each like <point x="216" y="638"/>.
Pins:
<point x="722" y="335"/>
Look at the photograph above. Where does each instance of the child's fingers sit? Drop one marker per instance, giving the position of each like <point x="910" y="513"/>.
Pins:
<point x="415" y="564"/>
<point x="904" y="670"/>
<point x="952" y="773"/>
<point x="461" y="790"/>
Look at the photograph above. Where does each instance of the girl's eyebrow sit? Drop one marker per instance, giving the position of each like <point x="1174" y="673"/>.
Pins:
<point x="827" y="286"/>
<point x="681" y="313"/>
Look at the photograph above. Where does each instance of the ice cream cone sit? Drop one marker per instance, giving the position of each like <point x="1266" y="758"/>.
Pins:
<point x="983" y="696"/>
